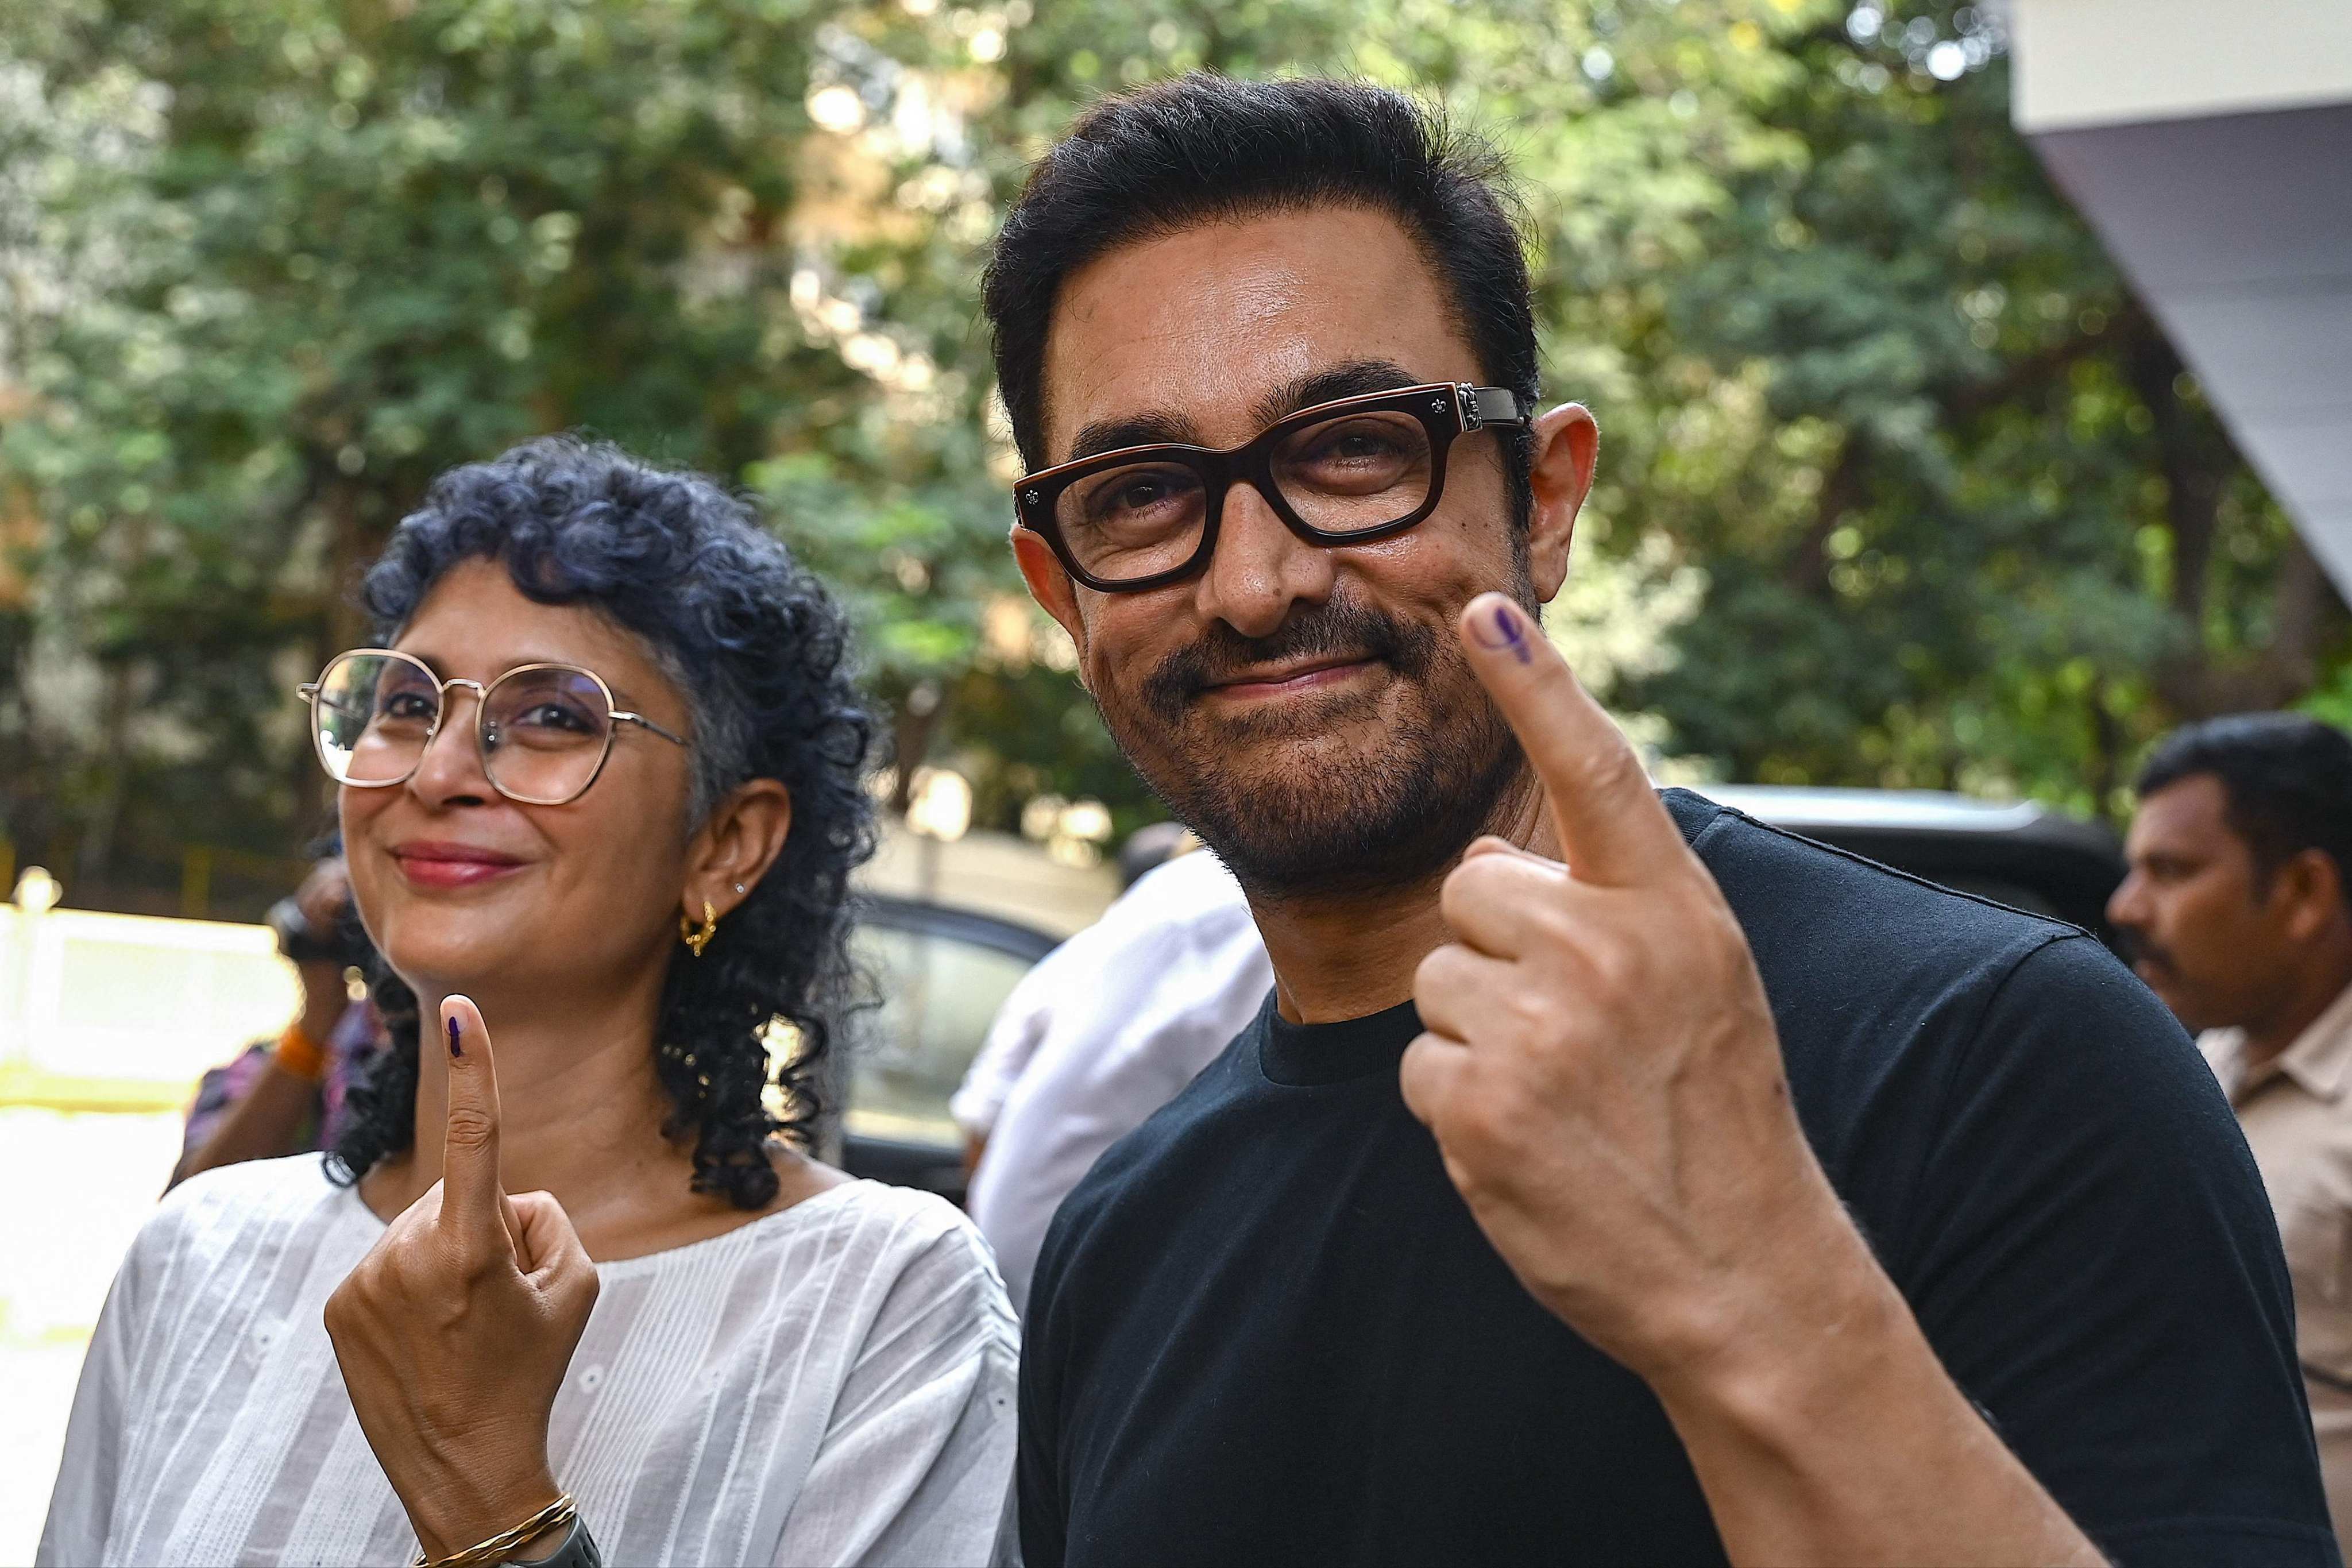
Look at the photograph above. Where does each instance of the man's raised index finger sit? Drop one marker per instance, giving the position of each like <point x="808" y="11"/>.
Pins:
<point x="469" y="1153"/>
<point x="1613" y="828"/>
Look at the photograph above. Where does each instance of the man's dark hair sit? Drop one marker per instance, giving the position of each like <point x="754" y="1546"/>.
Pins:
<point x="2287" y="779"/>
<point x="1206" y="149"/>
<point x="761" y="654"/>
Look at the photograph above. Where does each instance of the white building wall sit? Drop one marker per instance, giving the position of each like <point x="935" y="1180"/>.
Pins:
<point x="2211" y="147"/>
<point x="2101" y="62"/>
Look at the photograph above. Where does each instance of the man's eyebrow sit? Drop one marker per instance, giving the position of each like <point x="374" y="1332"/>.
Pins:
<point x="1352" y="378"/>
<point x="1151" y="427"/>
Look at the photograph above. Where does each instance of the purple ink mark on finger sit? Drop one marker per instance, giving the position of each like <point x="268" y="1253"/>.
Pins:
<point x="454" y="1048"/>
<point x="1506" y="623"/>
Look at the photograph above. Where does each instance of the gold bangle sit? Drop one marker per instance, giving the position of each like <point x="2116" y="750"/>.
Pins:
<point x="562" y="1511"/>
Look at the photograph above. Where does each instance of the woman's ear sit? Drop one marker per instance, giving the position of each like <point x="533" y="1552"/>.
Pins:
<point x="734" y="848"/>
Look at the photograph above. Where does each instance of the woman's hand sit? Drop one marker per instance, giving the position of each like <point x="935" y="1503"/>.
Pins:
<point x="455" y="1332"/>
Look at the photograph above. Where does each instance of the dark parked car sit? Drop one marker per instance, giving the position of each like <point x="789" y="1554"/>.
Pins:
<point x="2022" y="855"/>
<point x="945" y="972"/>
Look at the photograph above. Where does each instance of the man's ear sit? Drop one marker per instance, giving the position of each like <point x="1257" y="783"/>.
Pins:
<point x="736" y="847"/>
<point x="1051" y="586"/>
<point x="1567" y="446"/>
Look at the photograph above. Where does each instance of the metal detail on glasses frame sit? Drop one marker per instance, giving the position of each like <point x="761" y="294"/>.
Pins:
<point x="1445" y="408"/>
<point x="311" y="690"/>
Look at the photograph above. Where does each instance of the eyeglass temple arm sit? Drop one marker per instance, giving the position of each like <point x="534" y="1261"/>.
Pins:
<point x="619" y="717"/>
<point x="1484" y="406"/>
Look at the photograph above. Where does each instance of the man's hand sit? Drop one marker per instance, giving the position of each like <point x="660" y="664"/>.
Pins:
<point x="455" y="1332"/>
<point x="1600" y="1066"/>
<point x="1603" y="1074"/>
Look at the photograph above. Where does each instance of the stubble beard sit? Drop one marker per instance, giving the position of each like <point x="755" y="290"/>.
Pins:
<point x="1337" y="821"/>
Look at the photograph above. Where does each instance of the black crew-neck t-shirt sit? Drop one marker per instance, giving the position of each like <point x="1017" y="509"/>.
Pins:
<point x="1266" y="1328"/>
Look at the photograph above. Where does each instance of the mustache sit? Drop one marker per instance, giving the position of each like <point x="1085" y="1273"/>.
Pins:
<point x="2138" y="950"/>
<point x="1337" y="628"/>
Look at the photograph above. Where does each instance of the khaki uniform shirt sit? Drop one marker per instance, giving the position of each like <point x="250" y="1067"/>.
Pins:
<point x="2296" y="1110"/>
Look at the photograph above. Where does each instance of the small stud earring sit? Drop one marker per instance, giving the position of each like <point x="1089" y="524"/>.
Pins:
<point x="738" y="890"/>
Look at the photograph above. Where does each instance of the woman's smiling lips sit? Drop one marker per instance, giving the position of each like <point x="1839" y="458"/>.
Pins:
<point x="432" y="863"/>
<point x="1308" y="675"/>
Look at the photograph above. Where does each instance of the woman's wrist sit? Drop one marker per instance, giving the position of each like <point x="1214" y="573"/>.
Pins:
<point x="546" y="1537"/>
<point x="455" y="1517"/>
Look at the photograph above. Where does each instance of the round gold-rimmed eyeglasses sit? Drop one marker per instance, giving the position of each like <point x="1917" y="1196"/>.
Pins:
<point x="542" y="730"/>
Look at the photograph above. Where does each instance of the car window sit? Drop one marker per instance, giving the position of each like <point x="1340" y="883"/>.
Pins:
<point x="938" y="995"/>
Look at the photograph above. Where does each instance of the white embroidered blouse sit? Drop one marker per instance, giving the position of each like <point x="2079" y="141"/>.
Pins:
<point x="831" y="1383"/>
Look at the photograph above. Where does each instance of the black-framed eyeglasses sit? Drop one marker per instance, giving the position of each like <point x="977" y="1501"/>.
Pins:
<point x="1346" y="472"/>
<point x="542" y="730"/>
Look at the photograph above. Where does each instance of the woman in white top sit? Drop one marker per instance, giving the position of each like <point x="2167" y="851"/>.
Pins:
<point x="601" y="1268"/>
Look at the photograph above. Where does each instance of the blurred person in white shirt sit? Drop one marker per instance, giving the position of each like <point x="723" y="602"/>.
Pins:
<point x="1103" y="1032"/>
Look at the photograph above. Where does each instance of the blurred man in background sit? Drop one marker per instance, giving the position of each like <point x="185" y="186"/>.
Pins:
<point x="2239" y="909"/>
<point x="285" y="1095"/>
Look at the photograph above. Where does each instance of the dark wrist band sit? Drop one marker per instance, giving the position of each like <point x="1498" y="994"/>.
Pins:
<point x="578" y="1551"/>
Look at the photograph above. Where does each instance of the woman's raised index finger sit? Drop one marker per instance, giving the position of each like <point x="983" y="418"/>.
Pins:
<point x="1611" y="826"/>
<point x="470" y="1153"/>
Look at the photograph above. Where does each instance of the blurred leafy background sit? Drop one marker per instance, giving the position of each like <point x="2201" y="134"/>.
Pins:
<point x="1901" y="487"/>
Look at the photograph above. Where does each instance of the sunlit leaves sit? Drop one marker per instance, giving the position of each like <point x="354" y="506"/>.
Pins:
<point x="1874" y="444"/>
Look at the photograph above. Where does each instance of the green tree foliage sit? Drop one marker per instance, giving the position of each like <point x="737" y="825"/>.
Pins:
<point x="1968" y="520"/>
<point x="1939" y="504"/>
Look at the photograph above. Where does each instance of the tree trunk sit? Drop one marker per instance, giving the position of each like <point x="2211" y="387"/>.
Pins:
<point x="340" y="624"/>
<point x="2196" y="470"/>
<point x="94" y="858"/>
<point x="2301" y="601"/>
<point x="910" y="732"/>
<point x="2107" y="744"/>
<point x="2196" y="464"/>
<point x="1807" y="572"/>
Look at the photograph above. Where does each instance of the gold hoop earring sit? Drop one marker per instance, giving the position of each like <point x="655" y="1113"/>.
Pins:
<point x="696" y="941"/>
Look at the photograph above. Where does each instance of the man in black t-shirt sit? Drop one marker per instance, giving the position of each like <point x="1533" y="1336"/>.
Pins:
<point x="1609" y="1178"/>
